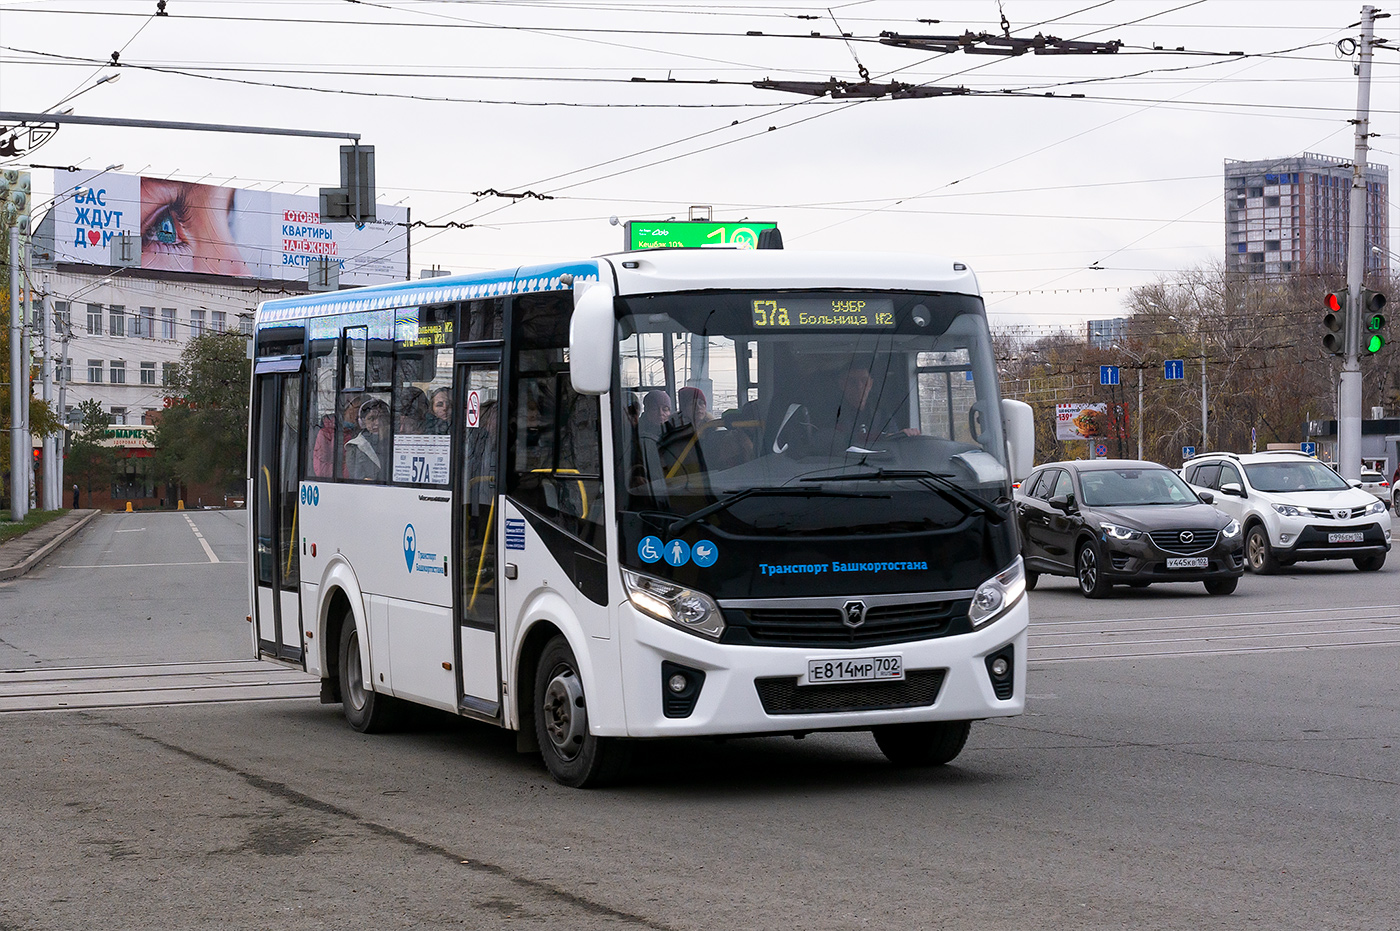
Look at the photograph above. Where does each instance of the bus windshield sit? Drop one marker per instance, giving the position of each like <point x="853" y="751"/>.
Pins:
<point x="888" y="397"/>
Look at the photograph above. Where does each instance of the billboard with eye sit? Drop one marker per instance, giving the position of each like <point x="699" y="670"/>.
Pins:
<point x="206" y="229"/>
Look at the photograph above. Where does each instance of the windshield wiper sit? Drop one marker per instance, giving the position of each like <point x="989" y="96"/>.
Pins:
<point x="728" y="501"/>
<point x="936" y="482"/>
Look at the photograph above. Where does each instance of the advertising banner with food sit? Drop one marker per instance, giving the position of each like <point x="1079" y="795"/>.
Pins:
<point x="1090" y="421"/>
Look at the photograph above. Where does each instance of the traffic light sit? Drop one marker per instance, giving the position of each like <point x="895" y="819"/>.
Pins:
<point x="1335" y="323"/>
<point x="1372" y="322"/>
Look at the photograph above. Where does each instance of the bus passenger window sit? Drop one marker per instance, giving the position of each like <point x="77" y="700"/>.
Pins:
<point x="323" y="414"/>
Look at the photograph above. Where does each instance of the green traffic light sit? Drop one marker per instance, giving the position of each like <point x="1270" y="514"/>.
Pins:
<point x="1375" y="342"/>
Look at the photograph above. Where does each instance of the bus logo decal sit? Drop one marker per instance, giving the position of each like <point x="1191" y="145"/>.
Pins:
<point x="649" y="549"/>
<point x="410" y="545"/>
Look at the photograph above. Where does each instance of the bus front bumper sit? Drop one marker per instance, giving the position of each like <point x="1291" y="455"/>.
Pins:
<point x="732" y="689"/>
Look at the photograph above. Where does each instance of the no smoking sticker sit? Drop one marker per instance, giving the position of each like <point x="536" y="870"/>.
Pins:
<point x="473" y="409"/>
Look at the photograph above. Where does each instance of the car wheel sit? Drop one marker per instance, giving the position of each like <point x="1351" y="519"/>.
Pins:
<point x="1369" y="563"/>
<point x="929" y="743"/>
<point x="366" y="710"/>
<point x="574" y="756"/>
<point x="1031" y="579"/>
<point x="1258" y="554"/>
<point x="1222" y="586"/>
<point x="1091" y="580"/>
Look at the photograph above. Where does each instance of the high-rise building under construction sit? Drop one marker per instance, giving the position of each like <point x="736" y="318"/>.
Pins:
<point x="1290" y="216"/>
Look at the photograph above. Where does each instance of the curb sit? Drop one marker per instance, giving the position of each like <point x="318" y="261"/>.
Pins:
<point x="20" y="569"/>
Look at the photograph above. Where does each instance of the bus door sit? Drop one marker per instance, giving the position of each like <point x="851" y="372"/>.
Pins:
<point x="477" y="597"/>
<point x="276" y="482"/>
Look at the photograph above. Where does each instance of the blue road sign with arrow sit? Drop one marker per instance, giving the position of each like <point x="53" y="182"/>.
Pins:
<point x="1174" y="369"/>
<point x="1108" y="374"/>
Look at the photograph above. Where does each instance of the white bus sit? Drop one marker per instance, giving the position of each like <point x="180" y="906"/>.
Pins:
<point x="652" y="494"/>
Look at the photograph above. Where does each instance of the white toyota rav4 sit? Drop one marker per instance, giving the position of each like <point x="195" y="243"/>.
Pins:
<point x="1293" y="508"/>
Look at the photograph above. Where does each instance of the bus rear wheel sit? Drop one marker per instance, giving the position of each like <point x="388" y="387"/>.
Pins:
<point x="928" y="743"/>
<point x="574" y="756"/>
<point x="367" y="711"/>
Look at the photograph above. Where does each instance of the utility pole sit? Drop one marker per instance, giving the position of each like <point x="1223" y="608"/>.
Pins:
<point x="1204" y="407"/>
<point x="1139" y="410"/>
<point x="61" y="442"/>
<point x="1349" y="381"/>
<point x="50" y="499"/>
<point x="19" y="394"/>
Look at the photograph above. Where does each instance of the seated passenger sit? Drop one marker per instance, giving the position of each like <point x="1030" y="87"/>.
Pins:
<point x="656" y="414"/>
<point x="439" y="420"/>
<point x="720" y="447"/>
<point x="367" y="453"/>
<point x="412" y="405"/>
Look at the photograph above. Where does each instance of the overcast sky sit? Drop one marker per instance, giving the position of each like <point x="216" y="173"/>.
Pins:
<point x="1060" y="204"/>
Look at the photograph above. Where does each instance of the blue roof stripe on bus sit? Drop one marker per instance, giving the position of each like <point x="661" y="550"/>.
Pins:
<point x="523" y="280"/>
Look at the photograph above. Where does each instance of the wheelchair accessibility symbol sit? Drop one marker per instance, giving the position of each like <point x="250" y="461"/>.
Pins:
<point x="649" y="549"/>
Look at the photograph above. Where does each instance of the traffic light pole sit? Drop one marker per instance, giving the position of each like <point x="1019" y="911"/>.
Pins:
<point x="1349" y="381"/>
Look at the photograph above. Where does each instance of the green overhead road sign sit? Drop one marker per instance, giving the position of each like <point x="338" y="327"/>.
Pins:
<point x="691" y="234"/>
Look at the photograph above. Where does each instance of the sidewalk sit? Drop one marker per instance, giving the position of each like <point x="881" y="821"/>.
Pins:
<point x="23" y="553"/>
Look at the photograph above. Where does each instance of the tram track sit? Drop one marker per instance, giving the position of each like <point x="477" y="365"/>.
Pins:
<point x="1194" y="635"/>
<point x="71" y="688"/>
<point x="66" y="688"/>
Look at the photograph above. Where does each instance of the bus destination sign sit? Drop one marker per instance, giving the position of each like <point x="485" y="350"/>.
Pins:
<point x="691" y="234"/>
<point x="853" y="313"/>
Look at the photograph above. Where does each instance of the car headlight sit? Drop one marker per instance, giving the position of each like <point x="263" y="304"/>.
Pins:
<point x="1118" y="532"/>
<point x="1376" y="507"/>
<point x="1232" y="530"/>
<point x="994" y="596"/>
<point x="1288" y="510"/>
<point x="691" y="611"/>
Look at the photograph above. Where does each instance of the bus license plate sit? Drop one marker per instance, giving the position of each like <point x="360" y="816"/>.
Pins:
<point x="1346" y="537"/>
<point x="859" y="669"/>
<point x="1187" y="562"/>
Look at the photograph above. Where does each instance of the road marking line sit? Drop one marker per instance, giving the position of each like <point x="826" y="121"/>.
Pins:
<point x="150" y="565"/>
<point x="208" y="550"/>
<point x="132" y="530"/>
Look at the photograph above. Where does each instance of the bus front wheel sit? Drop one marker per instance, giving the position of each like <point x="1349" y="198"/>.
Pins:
<point x="367" y="711"/>
<point x="928" y="743"/>
<point x="574" y="756"/>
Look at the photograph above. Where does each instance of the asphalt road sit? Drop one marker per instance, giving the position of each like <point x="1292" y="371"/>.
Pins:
<point x="1185" y="762"/>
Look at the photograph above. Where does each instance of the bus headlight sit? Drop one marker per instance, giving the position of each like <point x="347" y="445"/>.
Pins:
<point x="994" y="596"/>
<point x="691" y="611"/>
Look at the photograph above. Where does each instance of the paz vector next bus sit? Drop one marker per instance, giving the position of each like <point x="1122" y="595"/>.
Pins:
<point x="653" y="494"/>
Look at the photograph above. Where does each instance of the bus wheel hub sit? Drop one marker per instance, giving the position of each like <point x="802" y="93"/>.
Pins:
<point x="566" y="720"/>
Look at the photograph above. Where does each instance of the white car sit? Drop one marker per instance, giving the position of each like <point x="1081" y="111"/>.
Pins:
<point x="1376" y="484"/>
<point x="1293" y="508"/>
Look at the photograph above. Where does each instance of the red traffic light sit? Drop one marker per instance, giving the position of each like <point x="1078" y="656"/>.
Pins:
<point x="1335" y="301"/>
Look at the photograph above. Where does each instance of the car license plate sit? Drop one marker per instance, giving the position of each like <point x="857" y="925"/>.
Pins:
<point x="1187" y="562"/>
<point x="1357" y="537"/>
<point x="857" y="669"/>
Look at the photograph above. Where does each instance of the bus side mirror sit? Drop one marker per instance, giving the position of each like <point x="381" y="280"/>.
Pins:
<point x="592" y="340"/>
<point x="1019" y="420"/>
